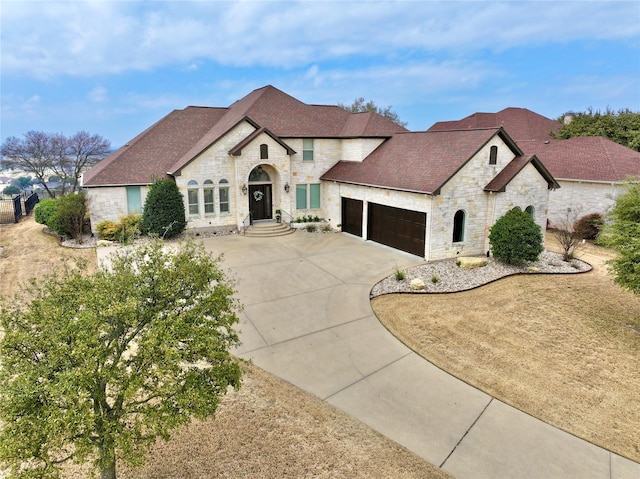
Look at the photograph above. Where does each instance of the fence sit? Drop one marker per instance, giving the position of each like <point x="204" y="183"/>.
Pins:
<point x="12" y="209"/>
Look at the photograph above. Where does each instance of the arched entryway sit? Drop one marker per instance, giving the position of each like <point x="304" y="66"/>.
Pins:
<point x="260" y="194"/>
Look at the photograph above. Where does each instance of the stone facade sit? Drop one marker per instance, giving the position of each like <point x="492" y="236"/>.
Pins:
<point x="576" y="199"/>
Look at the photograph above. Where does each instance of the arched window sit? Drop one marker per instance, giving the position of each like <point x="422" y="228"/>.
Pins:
<point x="531" y="210"/>
<point x="223" y="191"/>
<point x="493" y="155"/>
<point x="209" y="203"/>
<point x="458" y="226"/>
<point x="192" y="198"/>
<point x="259" y="174"/>
<point x="264" y="151"/>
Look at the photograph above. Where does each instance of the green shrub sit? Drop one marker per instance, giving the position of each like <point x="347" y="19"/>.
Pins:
<point x="44" y="210"/>
<point x="70" y="217"/>
<point x="515" y="238"/>
<point x="399" y="274"/>
<point x="434" y="279"/>
<point x="589" y="226"/>
<point x="108" y="230"/>
<point x="316" y="219"/>
<point x="124" y="231"/>
<point x="311" y="228"/>
<point x="164" y="213"/>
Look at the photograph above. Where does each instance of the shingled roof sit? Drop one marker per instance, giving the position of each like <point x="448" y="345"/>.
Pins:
<point x="520" y="123"/>
<point x="587" y="158"/>
<point x="422" y="162"/>
<point x="580" y="158"/>
<point x="180" y="137"/>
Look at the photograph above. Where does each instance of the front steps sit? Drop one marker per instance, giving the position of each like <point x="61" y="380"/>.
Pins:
<point x="268" y="229"/>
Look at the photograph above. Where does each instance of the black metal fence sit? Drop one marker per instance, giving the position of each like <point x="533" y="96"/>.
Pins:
<point x="12" y="209"/>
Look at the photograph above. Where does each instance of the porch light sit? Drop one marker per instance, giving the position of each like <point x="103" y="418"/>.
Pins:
<point x="244" y="189"/>
<point x="287" y="187"/>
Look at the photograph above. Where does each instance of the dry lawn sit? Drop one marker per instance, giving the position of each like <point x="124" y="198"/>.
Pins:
<point x="269" y="429"/>
<point x="563" y="348"/>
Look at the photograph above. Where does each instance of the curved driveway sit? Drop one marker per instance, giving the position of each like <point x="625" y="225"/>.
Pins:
<point x="307" y="319"/>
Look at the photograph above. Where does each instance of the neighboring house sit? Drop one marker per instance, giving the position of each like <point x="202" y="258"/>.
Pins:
<point x="434" y="194"/>
<point x="590" y="170"/>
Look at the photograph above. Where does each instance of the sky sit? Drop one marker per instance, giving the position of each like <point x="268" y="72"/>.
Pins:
<point x="114" y="68"/>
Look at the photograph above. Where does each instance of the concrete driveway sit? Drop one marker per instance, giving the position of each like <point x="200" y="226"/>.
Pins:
<point x="308" y="320"/>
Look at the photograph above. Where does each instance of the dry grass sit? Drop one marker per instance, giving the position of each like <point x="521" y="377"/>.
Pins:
<point x="269" y="429"/>
<point x="563" y="348"/>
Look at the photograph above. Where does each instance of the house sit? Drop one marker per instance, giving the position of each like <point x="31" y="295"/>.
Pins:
<point x="434" y="194"/>
<point x="590" y="170"/>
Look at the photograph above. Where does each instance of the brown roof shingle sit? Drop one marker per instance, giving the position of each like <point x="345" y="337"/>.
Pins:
<point x="417" y="161"/>
<point x="181" y="136"/>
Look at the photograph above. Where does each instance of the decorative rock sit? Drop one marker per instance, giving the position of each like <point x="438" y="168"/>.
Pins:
<point x="533" y="269"/>
<point x="471" y="263"/>
<point x="417" y="284"/>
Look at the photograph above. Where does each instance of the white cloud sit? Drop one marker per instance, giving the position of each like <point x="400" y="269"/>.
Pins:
<point x="98" y="94"/>
<point x="46" y="39"/>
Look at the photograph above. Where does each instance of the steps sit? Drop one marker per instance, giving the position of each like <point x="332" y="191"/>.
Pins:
<point x="268" y="229"/>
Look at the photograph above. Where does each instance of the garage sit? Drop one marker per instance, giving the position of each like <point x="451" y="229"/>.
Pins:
<point x="352" y="216"/>
<point x="398" y="228"/>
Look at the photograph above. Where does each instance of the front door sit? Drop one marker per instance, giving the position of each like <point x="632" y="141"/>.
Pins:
<point x="260" y="202"/>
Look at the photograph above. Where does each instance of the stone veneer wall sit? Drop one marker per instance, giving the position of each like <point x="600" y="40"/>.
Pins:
<point x="109" y="203"/>
<point x="582" y="198"/>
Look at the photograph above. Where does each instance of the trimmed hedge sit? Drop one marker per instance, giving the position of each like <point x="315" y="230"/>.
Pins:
<point x="515" y="238"/>
<point x="164" y="213"/>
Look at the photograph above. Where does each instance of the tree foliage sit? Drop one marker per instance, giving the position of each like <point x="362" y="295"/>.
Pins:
<point x="623" y="234"/>
<point x="70" y="215"/>
<point x="360" y="105"/>
<point x="98" y="367"/>
<point x="516" y="238"/>
<point x="622" y="126"/>
<point x="163" y="214"/>
<point x="45" y="154"/>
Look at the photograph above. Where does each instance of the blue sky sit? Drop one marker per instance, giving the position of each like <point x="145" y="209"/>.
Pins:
<point x="116" y="67"/>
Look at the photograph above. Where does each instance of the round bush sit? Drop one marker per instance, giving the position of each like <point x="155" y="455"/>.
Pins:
<point x="44" y="211"/>
<point x="164" y="213"/>
<point x="515" y="238"/>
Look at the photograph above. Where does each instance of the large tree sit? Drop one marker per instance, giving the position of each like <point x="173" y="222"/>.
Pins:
<point x="360" y="105"/>
<point x="46" y="154"/>
<point x="623" y="234"/>
<point x="37" y="154"/>
<point x="98" y="367"/>
<point x="622" y="126"/>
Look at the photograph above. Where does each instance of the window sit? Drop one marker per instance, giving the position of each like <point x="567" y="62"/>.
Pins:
<point x="314" y="196"/>
<point x="308" y="195"/>
<point x="209" y="204"/>
<point x="531" y="210"/>
<point x="134" y="200"/>
<point x="307" y="149"/>
<point x="264" y="151"/>
<point x="192" y="198"/>
<point x="493" y="155"/>
<point x="224" y="196"/>
<point x="301" y="197"/>
<point x="259" y="174"/>
<point x="458" y="226"/>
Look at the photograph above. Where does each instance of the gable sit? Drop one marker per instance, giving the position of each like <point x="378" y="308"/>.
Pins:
<point x="419" y="162"/>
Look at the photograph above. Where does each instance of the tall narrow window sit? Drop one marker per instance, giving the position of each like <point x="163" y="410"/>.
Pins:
<point x="458" y="226"/>
<point x="301" y="197"/>
<point x="531" y="210"/>
<point x="493" y="155"/>
<point x="209" y="203"/>
<point x="192" y="197"/>
<point x="223" y="191"/>
<point x="307" y="149"/>
<point x="264" y="151"/>
<point x="314" y="195"/>
<point x="134" y="200"/>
